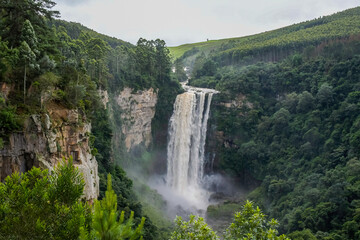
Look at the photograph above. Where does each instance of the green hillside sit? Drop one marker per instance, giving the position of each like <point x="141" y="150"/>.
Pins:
<point x="178" y="51"/>
<point x="292" y="37"/>
<point x="75" y="29"/>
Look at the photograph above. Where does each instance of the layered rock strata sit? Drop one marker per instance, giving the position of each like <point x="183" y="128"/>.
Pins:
<point x="137" y="111"/>
<point x="48" y="138"/>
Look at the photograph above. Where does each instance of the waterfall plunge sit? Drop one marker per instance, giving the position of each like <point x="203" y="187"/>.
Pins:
<point x="187" y="135"/>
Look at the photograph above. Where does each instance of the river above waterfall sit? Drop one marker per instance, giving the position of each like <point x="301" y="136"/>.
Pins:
<point x="188" y="88"/>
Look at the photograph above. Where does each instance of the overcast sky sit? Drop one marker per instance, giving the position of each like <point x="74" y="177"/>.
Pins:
<point x="188" y="21"/>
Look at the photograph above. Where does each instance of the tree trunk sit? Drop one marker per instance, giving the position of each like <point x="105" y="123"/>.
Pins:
<point x="24" y="82"/>
<point x="117" y="64"/>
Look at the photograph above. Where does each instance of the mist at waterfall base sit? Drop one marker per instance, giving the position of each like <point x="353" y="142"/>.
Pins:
<point x="185" y="187"/>
<point x="197" y="199"/>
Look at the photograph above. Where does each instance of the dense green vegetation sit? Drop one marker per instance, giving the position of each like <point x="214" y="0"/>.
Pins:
<point x="37" y="205"/>
<point x="249" y="223"/>
<point x="74" y="30"/>
<point x="293" y="127"/>
<point x="106" y="224"/>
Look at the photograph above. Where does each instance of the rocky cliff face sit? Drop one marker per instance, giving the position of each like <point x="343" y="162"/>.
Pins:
<point x="137" y="111"/>
<point x="45" y="140"/>
<point x="104" y="97"/>
<point x="238" y="102"/>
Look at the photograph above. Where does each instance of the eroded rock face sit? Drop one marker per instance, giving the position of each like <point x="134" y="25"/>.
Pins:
<point x="45" y="140"/>
<point x="239" y="102"/>
<point x="104" y="97"/>
<point x="137" y="112"/>
<point x="5" y="89"/>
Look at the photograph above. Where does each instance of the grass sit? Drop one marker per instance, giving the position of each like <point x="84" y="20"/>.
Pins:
<point x="178" y="51"/>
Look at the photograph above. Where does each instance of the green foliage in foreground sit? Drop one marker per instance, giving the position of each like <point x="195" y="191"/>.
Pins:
<point x="249" y="223"/>
<point x="36" y="205"/>
<point x="195" y="228"/>
<point x="106" y="224"/>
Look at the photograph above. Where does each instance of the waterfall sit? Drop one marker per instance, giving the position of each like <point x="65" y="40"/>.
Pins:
<point x="186" y="146"/>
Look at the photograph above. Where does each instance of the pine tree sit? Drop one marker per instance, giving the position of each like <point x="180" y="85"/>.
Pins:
<point x="37" y="205"/>
<point x="14" y="13"/>
<point x="105" y="224"/>
<point x="28" y="49"/>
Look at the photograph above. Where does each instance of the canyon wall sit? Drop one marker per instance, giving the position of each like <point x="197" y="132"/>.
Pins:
<point x="46" y="139"/>
<point x="137" y="109"/>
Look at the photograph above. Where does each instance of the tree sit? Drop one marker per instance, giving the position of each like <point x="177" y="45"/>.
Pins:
<point x="28" y="35"/>
<point x="105" y="224"/>
<point x="28" y="49"/>
<point x="145" y="62"/>
<point x="97" y="50"/>
<point x="162" y="57"/>
<point x="306" y="102"/>
<point x="14" y="13"/>
<point x="119" y="57"/>
<point x="325" y="94"/>
<point x="67" y="183"/>
<point x="249" y="223"/>
<point x="290" y="102"/>
<point x="209" y="68"/>
<point x="194" y="229"/>
<point x="28" y="57"/>
<point x="281" y="120"/>
<point x="8" y="60"/>
<point x="36" y="205"/>
<point x="302" y="235"/>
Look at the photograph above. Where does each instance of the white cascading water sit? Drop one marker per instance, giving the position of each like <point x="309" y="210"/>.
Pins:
<point x="185" y="151"/>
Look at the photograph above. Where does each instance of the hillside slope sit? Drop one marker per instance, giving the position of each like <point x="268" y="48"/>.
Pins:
<point x="279" y="41"/>
<point x="74" y="30"/>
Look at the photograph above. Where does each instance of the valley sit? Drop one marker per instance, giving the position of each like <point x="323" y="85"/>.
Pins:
<point x="160" y="133"/>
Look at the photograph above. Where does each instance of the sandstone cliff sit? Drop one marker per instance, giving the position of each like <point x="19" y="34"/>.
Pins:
<point x="45" y="140"/>
<point x="137" y="111"/>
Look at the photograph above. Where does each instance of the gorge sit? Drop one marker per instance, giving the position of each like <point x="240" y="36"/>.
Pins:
<point x="273" y="118"/>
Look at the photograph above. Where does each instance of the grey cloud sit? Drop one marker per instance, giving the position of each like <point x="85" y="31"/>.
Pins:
<point x="182" y="21"/>
<point x="73" y="2"/>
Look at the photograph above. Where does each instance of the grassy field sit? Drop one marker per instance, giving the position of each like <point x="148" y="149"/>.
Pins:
<point x="178" y="51"/>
